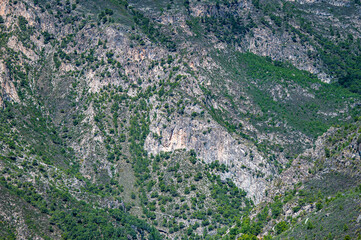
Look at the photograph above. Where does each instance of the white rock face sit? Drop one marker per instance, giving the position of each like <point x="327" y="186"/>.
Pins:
<point x="333" y="2"/>
<point x="7" y="88"/>
<point x="211" y="142"/>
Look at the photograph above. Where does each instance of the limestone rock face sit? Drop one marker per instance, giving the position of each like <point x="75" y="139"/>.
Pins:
<point x="212" y="143"/>
<point x="8" y="91"/>
<point x="333" y="2"/>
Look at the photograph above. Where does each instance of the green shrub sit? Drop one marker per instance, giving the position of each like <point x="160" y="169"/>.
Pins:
<point x="281" y="227"/>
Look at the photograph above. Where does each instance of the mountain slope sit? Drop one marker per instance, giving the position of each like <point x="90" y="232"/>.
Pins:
<point x="180" y="119"/>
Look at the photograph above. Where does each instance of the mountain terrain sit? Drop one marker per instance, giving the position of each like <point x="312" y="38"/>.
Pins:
<point x="195" y="119"/>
